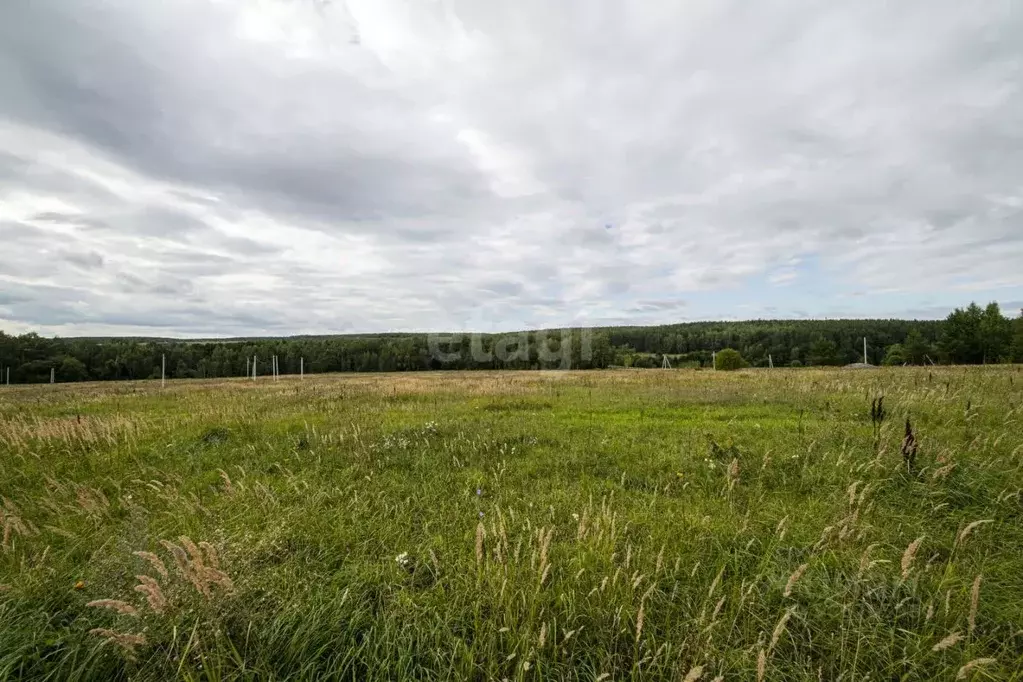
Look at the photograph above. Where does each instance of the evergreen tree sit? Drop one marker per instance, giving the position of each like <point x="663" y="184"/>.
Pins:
<point x="895" y="355"/>
<point x="915" y="349"/>
<point x="1017" y="339"/>
<point x="995" y="334"/>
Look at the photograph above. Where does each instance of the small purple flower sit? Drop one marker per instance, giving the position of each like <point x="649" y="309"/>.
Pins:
<point x="481" y="515"/>
<point x="479" y="491"/>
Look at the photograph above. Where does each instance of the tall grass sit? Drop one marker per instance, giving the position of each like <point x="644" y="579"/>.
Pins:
<point x="680" y="525"/>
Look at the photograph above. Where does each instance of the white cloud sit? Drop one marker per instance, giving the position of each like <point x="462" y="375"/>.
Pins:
<point x="290" y="166"/>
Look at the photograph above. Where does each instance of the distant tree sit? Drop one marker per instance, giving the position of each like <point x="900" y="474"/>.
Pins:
<point x="795" y="363"/>
<point x="823" y="352"/>
<point x="974" y="335"/>
<point x="1017" y="339"/>
<point x="728" y="359"/>
<point x="895" y="354"/>
<point x="995" y="334"/>
<point x="72" y="369"/>
<point x="960" y="339"/>
<point x="915" y="349"/>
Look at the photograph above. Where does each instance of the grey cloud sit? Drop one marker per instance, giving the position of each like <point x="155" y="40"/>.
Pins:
<point x="429" y="165"/>
<point x="88" y="260"/>
<point x="361" y="154"/>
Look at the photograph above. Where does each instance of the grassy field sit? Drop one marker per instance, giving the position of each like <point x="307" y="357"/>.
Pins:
<point x="609" y="525"/>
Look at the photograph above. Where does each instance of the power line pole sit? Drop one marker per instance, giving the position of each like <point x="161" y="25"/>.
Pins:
<point x="301" y="368"/>
<point x="253" y="367"/>
<point x="163" y="370"/>
<point x="53" y="373"/>
<point x="865" y="351"/>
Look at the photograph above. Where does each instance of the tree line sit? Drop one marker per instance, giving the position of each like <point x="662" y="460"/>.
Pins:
<point x="970" y="335"/>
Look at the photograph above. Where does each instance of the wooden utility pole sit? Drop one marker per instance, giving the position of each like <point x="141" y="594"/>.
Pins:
<point x="301" y="368"/>
<point x="163" y="370"/>
<point x="865" y="351"/>
<point x="53" y="373"/>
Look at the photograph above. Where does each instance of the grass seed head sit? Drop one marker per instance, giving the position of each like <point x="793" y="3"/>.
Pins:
<point x="909" y="555"/>
<point x="121" y="607"/>
<point x="949" y="641"/>
<point x="794" y="578"/>
<point x="154" y="561"/>
<point x="965" y="671"/>
<point x="695" y="673"/>
<point x="151" y="590"/>
<point x="974" y="603"/>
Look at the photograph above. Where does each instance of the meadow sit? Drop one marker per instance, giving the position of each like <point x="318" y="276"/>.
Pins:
<point x="602" y="525"/>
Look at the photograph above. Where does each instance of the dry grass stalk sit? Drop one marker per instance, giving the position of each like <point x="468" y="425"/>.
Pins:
<point x="542" y="639"/>
<point x="965" y="533"/>
<point x="965" y="671"/>
<point x="545" y="546"/>
<point x="154" y="595"/>
<point x="695" y="673"/>
<point x="717" y="610"/>
<point x="228" y="487"/>
<point x="733" y="474"/>
<point x="782" y="528"/>
<point x="584" y="521"/>
<point x="640" y="618"/>
<point x="195" y="570"/>
<point x="180" y="558"/>
<point x="154" y="561"/>
<point x="974" y="603"/>
<point x="126" y="640"/>
<point x="212" y="557"/>
<point x="949" y="641"/>
<point x="192" y="549"/>
<point x="794" y="578"/>
<point x="717" y="581"/>
<point x="851" y="492"/>
<point x="121" y="607"/>
<point x="761" y="664"/>
<point x="92" y="500"/>
<point x="779" y="629"/>
<point x="909" y="555"/>
<point x="480" y="533"/>
<point x="910" y="445"/>
<point x="13" y="522"/>
<point x="865" y="560"/>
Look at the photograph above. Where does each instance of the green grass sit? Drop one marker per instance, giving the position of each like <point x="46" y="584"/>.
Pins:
<point x="682" y="499"/>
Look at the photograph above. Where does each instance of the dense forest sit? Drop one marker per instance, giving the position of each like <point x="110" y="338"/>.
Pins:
<point x="971" y="335"/>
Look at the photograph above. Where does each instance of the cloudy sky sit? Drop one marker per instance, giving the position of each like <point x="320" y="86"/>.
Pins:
<point x="194" y="167"/>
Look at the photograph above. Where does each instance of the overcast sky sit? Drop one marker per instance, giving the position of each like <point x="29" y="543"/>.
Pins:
<point x="194" y="167"/>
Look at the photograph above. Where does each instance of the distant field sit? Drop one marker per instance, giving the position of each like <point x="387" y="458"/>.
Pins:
<point x="605" y="525"/>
